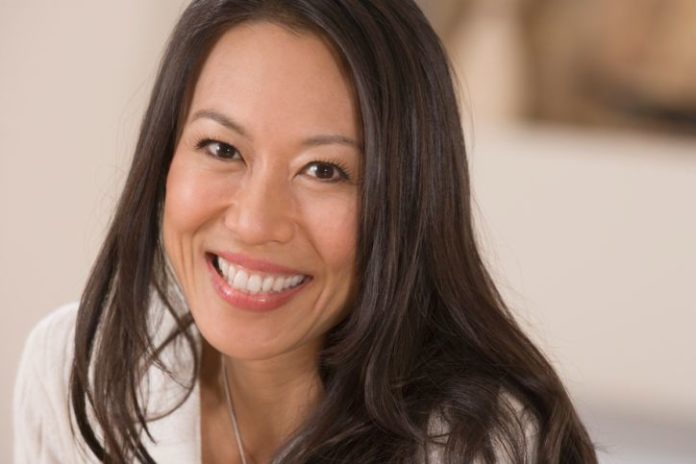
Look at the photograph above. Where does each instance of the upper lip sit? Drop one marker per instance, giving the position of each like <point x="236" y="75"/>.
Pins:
<point x="256" y="264"/>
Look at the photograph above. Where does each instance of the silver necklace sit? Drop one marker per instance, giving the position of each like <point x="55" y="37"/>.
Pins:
<point x="230" y="410"/>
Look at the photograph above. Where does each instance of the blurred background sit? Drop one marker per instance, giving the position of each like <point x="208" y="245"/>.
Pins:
<point x="580" y="119"/>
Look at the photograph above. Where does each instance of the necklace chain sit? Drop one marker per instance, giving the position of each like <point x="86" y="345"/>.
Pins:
<point x="230" y="410"/>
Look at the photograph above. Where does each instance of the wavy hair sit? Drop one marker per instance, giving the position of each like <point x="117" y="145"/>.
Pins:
<point x="428" y="339"/>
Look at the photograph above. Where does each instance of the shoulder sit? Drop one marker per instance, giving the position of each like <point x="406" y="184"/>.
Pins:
<point x="41" y="411"/>
<point x="54" y="330"/>
<point x="520" y="433"/>
<point x="516" y="438"/>
<point x="47" y="351"/>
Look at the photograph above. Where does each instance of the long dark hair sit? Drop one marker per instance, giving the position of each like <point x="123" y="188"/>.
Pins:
<point x="428" y="344"/>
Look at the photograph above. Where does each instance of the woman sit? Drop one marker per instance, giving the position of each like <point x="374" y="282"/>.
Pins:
<point x="291" y="274"/>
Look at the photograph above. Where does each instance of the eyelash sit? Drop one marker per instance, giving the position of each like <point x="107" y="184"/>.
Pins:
<point x="340" y="167"/>
<point x="203" y="144"/>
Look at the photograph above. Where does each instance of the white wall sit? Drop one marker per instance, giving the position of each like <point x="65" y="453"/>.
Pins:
<point x="591" y="234"/>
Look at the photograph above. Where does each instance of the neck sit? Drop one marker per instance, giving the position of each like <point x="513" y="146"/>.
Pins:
<point x="272" y="397"/>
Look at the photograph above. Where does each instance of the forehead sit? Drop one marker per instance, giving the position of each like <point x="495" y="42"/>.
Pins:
<point x="266" y="74"/>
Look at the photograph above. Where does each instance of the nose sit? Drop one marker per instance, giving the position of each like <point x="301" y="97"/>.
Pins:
<point x="261" y="210"/>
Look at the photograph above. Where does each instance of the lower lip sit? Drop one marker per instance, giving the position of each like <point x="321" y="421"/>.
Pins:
<point x="259" y="302"/>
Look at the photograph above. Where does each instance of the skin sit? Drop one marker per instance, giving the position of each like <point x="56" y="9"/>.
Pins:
<point x="269" y="193"/>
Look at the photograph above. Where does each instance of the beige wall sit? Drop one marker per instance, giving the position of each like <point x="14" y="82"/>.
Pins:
<point x="74" y="75"/>
<point x="591" y="235"/>
<point x="591" y="238"/>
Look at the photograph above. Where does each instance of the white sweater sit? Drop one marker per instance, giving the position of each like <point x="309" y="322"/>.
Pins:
<point x="42" y="420"/>
<point x="43" y="423"/>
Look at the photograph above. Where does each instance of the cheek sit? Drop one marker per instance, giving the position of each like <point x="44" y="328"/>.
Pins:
<point x="192" y="198"/>
<point x="332" y="224"/>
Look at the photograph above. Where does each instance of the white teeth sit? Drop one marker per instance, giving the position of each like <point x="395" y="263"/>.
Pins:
<point x="245" y="281"/>
<point x="267" y="284"/>
<point x="240" y="280"/>
<point x="254" y="284"/>
<point x="231" y="273"/>
<point x="278" y="284"/>
<point x="224" y="266"/>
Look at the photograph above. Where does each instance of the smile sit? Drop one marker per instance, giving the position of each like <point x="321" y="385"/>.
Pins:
<point x="253" y="285"/>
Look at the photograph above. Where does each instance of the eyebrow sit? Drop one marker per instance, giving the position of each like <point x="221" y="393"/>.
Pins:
<point x="317" y="140"/>
<point x="221" y="119"/>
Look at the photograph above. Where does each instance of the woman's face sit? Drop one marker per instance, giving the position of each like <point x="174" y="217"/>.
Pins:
<point x="262" y="194"/>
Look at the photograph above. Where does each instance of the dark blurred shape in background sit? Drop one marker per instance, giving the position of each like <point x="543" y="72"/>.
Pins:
<point x="622" y="63"/>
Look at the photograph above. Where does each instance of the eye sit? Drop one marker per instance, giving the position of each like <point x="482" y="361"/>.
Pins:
<point x="326" y="172"/>
<point x="218" y="149"/>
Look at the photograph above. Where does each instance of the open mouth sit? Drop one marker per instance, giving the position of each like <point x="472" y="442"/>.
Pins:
<point x="255" y="282"/>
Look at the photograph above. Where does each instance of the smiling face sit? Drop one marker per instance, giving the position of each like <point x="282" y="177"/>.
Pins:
<point x="260" y="213"/>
